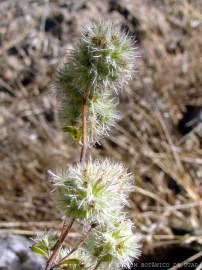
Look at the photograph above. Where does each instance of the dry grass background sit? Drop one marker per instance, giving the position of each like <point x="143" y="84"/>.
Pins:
<point x="166" y="156"/>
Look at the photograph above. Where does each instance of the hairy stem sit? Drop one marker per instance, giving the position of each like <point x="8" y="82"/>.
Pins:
<point x="84" y="133"/>
<point x="64" y="233"/>
<point x="50" y="264"/>
<point x="97" y="265"/>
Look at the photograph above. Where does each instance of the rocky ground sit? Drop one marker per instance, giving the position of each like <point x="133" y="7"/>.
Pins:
<point x="159" y="136"/>
<point x="15" y="254"/>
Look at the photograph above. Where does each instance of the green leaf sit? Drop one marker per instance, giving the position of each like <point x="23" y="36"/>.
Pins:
<point x="73" y="131"/>
<point x="71" y="261"/>
<point x="40" y="251"/>
<point x="42" y="245"/>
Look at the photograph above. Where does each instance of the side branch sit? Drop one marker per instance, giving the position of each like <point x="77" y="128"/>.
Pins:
<point x="80" y="243"/>
<point x="59" y="244"/>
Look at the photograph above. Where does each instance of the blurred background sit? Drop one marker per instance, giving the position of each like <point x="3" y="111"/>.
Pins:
<point x="159" y="136"/>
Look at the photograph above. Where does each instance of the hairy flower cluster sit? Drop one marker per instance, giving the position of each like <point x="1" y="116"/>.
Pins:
<point x="114" y="245"/>
<point x="105" y="58"/>
<point x="103" y="115"/>
<point x="103" y="61"/>
<point x="90" y="191"/>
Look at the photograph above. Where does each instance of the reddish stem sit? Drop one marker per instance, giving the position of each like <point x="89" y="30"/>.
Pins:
<point x="59" y="244"/>
<point x="50" y="262"/>
<point x="80" y="243"/>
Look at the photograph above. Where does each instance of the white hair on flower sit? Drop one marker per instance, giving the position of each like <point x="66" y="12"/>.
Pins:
<point x="115" y="245"/>
<point x="95" y="191"/>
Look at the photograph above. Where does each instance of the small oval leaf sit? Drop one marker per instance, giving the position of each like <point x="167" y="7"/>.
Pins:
<point x="40" y="251"/>
<point x="71" y="261"/>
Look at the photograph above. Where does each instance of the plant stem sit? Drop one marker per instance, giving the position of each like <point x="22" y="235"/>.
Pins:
<point x="84" y="133"/>
<point x="65" y="230"/>
<point x="80" y="243"/>
<point x="64" y="233"/>
<point x="97" y="265"/>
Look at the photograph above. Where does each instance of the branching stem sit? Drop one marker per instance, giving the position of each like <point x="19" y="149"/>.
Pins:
<point x="80" y="243"/>
<point x="65" y="230"/>
<point x="64" y="233"/>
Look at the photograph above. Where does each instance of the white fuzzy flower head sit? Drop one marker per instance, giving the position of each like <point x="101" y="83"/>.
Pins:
<point x="103" y="115"/>
<point x="115" y="246"/>
<point x="105" y="58"/>
<point x="95" y="191"/>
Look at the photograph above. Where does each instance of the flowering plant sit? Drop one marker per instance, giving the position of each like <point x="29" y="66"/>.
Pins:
<point x="93" y="192"/>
